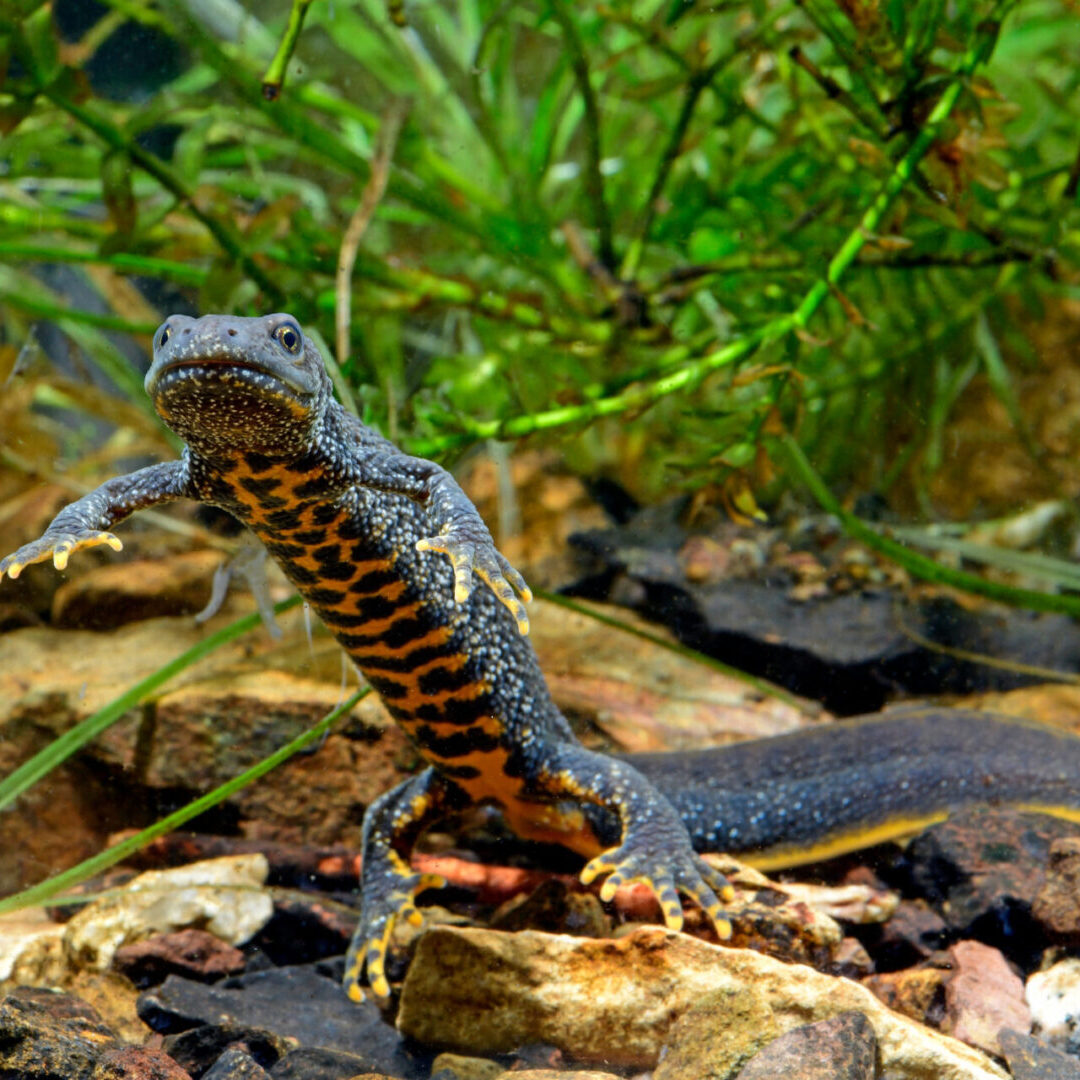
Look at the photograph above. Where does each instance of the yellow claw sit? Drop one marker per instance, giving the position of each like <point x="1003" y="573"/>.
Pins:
<point x="674" y="921"/>
<point x="355" y="993"/>
<point x="594" y="868"/>
<point x="380" y="987"/>
<point x="14" y="570"/>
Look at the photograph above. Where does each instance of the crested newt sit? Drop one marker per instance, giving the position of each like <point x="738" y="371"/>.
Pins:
<point x="358" y="527"/>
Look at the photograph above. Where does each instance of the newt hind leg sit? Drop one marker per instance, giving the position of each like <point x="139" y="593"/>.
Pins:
<point x="390" y="886"/>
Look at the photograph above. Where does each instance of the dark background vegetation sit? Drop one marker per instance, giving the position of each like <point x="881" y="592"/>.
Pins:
<point x="628" y="228"/>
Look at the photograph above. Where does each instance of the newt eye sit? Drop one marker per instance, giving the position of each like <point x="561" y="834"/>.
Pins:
<point x="289" y="336"/>
<point x="166" y="333"/>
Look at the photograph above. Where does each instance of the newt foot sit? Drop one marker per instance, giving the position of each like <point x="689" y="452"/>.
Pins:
<point x="676" y="872"/>
<point x="59" y="546"/>
<point x="468" y="556"/>
<point x="379" y="916"/>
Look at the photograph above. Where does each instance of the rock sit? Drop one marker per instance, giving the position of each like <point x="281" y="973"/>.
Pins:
<point x="482" y="992"/>
<point x="717" y="1035"/>
<point x="917" y="992"/>
<point x="647" y="698"/>
<point x="305" y="927"/>
<point x="236" y="1064"/>
<point x="197" y="735"/>
<point x="1030" y="1059"/>
<point x="913" y="933"/>
<point x="225" y="896"/>
<point x="459" y="1067"/>
<point x="137" y="1063"/>
<point x="983" y="869"/>
<point x="851" y="960"/>
<point x="1057" y="903"/>
<point x="1054" y="999"/>
<point x="558" y="1074"/>
<point x="31" y="949"/>
<point x="982" y="996"/>
<point x="789" y="924"/>
<point x="843" y="1048"/>
<point x="47" y="1035"/>
<point x="850" y="902"/>
<point x="774" y="620"/>
<point x="296" y="1003"/>
<point x="553" y="907"/>
<point x="199" y="1048"/>
<point x="124" y="592"/>
<point x="194" y="953"/>
<point x="314" y="1063"/>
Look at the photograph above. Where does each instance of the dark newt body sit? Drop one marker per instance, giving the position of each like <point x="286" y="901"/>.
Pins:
<point x="833" y="788"/>
<point x="354" y="522"/>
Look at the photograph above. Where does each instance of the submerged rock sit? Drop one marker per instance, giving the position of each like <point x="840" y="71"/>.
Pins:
<point x="224" y="896"/>
<point x="843" y="1048"/>
<point x="483" y="992"/>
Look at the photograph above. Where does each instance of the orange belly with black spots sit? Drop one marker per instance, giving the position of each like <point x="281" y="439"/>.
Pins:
<point x="404" y="646"/>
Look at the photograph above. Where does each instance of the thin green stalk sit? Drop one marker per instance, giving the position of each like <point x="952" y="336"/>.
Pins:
<point x="691" y="376"/>
<point x="123" y="261"/>
<point x="59" y="313"/>
<point x="594" y="180"/>
<point x="274" y="78"/>
<point x="96" y="864"/>
<point x="921" y="566"/>
<point x="60" y="749"/>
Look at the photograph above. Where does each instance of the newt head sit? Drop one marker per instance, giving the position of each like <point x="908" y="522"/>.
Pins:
<point x="225" y="383"/>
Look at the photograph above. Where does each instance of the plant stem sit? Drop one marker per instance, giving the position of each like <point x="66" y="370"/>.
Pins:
<point x="96" y="864"/>
<point x="914" y="562"/>
<point x="594" y="180"/>
<point x="60" y="749"/>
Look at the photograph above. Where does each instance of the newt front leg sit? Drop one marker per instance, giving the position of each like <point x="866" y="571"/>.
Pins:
<point x="86" y="522"/>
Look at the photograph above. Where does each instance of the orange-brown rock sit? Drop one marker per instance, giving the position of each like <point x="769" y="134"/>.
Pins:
<point x="123" y="592"/>
<point x="983" y="996"/>
<point x="1057" y="903"/>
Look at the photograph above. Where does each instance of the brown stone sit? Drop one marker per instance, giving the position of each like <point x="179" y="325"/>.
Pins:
<point x="1030" y="1059"/>
<point x="478" y="991"/>
<point x="554" y="907"/>
<point x="194" y="953"/>
<point x="46" y="1034"/>
<point x="912" y="934"/>
<point x="916" y="992"/>
<point x="1057" y="904"/>
<point x="123" y="592"/>
<point x="843" y="1048"/>
<point x="717" y="1035"/>
<point x="137" y="1063"/>
<point x="986" y="867"/>
<point x="644" y="697"/>
<point x="236" y="1064"/>
<point x="983" y="995"/>
<point x="460" y="1067"/>
<point x="558" y="1074"/>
